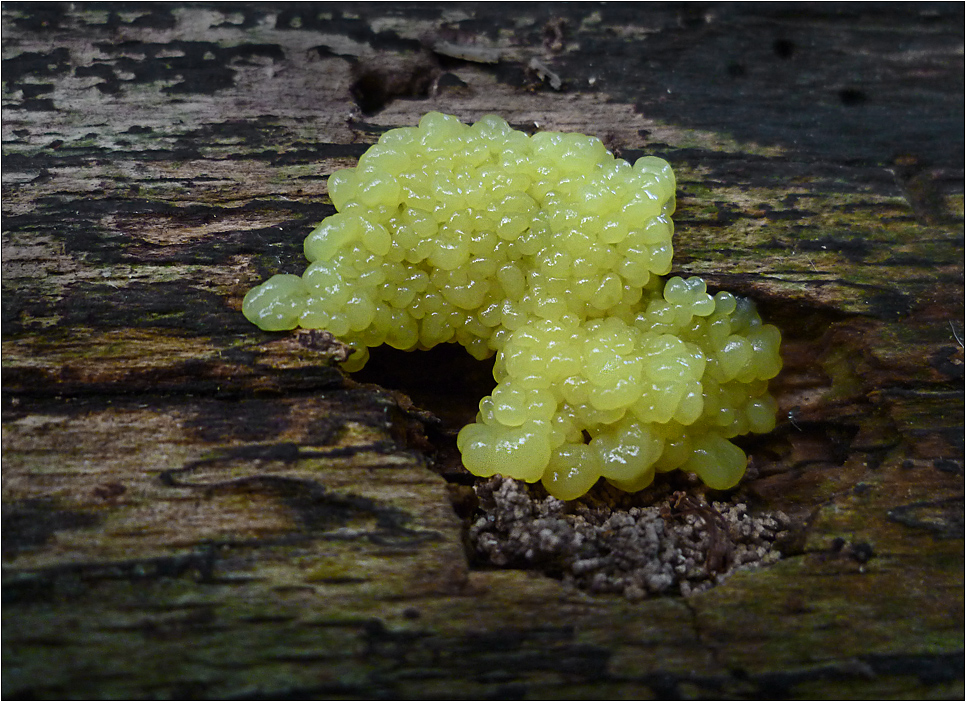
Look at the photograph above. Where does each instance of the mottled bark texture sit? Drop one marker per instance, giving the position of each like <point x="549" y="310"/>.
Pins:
<point x="194" y="508"/>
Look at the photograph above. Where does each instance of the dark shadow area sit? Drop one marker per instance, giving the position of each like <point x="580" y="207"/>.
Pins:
<point x="445" y="380"/>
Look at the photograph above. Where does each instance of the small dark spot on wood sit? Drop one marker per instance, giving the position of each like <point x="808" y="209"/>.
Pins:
<point x="42" y="105"/>
<point x="33" y="90"/>
<point x="109" y="491"/>
<point x="851" y="97"/>
<point x="41" y="16"/>
<point x="948" y="466"/>
<point x="36" y="64"/>
<point x="249" y="420"/>
<point x="377" y="83"/>
<point x="943" y="518"/>
<point x="73" y="579"/>
<point x="739" y="672"/>
<point x="43" y="177"/>
<point x="31" y="523"/>
<point x="783" y="48"/>
<point x="920" y="187"/>
<point x="735" y="69"/>
<point x="861" y="552"/>
<point x="890" y="305"/>
<point x="855" y="248"/>
<point x="949" y="361"/>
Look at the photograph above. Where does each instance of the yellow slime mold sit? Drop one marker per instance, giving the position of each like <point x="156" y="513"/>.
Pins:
<point x="549" y="252"/>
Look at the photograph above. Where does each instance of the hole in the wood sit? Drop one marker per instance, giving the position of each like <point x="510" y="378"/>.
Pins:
<point x="445" y="380"/>
<point x="379" y="82"/>
<point x="609" y="541"/>
<point x="612" y="542"/>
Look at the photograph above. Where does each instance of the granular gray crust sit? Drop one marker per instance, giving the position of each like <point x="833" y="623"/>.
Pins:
<point x="679" y="542"/>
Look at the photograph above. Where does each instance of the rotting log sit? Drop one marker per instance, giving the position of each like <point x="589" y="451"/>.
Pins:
<point x="194" y="508"/>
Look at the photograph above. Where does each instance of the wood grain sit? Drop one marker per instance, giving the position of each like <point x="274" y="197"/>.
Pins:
<point x="194" y="508"/>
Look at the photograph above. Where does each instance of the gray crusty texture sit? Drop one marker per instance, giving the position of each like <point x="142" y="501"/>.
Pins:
<point x="680" y="542"/>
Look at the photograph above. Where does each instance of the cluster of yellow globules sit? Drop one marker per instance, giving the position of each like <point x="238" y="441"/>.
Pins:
<point x="547" y="250"/>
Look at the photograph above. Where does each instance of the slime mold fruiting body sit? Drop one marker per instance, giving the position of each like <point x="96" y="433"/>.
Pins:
<point x="549" y="252"/>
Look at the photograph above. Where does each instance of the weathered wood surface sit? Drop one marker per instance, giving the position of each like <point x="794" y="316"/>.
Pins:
<point x="194" y="508"/>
